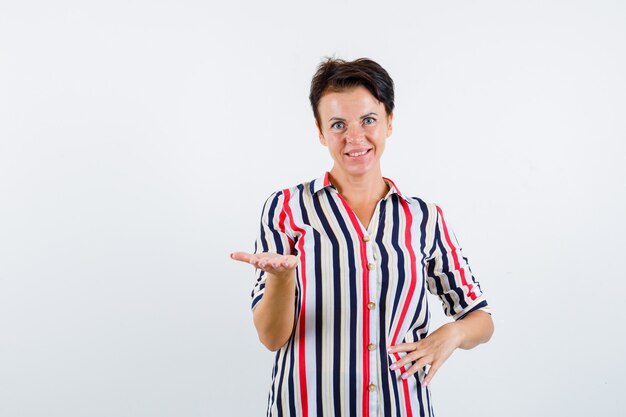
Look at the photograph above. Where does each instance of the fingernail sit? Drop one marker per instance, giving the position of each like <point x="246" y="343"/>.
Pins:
<point x="231" y="255"/>
<point x="393" y="367"/>
<point x="389" y="350"/>
<point x="424" y="383"/>
<point x="405" y="375"/>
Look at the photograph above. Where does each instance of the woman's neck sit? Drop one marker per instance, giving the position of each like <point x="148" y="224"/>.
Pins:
<point x="362" y="188"/>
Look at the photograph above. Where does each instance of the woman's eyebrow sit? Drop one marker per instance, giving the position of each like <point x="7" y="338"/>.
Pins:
<point x="341" y="119"/>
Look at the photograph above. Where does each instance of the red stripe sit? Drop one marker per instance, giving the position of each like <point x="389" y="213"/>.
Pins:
<point x="413" y="261"/>
<point x="281" y="222"/>
<point x="326" y="180"/>
<point x="301" y="319"/>
<point x="366" y="318"/>
<point x="470" y="291"/>
<point x="405" y="388"/>
<point x="394" y="186"/>
<point x="409" y="298"/>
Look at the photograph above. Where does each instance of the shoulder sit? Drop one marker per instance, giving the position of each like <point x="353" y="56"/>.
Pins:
<point x="427" y="210"/>
<point x="298" y="191"/>
<point x="416" y="203"/>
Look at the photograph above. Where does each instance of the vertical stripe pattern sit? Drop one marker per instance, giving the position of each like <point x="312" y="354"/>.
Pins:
<point x="360" y="288"/>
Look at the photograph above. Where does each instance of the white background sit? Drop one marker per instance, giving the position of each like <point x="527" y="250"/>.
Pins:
<point x="139" y="140"/>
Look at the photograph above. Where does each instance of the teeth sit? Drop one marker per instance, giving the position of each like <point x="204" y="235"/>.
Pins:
<point x="357" y="153"/>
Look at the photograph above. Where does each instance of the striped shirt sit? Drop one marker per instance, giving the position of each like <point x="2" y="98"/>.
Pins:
<point x="359" y="290"/>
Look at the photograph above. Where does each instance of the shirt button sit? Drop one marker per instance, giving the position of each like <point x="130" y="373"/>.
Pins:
<point x="366" y="238"/>
<point x="371" y="347"/>
<point x="371" y="387"/>
<point x="371" y="266"/>
<point x="371" y="305"/>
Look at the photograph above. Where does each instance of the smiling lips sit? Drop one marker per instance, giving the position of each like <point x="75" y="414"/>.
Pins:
<point x="358" y="153"/>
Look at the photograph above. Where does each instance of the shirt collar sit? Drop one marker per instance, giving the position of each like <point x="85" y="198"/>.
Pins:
<point x="324" y="182"/>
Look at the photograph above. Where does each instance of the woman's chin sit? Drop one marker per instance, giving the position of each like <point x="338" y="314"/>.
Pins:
<point x="355" y="170"/>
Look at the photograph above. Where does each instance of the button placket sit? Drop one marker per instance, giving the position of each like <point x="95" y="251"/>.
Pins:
<point x="372" y="346"/>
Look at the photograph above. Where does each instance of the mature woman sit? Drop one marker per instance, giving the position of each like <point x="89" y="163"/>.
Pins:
<point x="343" y="263"/>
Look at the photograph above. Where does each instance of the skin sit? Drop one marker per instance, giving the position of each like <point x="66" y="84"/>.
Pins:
<point x="274" y="314"/>
<point x="352" y="122"/>
<point x="436" y="348"/>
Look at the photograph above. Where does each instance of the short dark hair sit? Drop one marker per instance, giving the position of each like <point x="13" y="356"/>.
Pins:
<point x="338" y="75"/>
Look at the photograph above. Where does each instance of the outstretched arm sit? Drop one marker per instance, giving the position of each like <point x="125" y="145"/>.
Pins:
<point x="274" y="314"/>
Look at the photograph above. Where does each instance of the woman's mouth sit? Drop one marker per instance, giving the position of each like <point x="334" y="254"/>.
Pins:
<point x="357" y="154"/>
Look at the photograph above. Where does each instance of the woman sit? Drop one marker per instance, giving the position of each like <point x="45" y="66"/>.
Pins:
<point x="343" y="263"/>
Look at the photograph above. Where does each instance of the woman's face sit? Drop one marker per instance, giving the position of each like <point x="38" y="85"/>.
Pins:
<point x="354" y="126"/>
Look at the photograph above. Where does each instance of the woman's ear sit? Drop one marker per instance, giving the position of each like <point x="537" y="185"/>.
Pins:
<point x="389" y="124"/>
<point x="320" y="134"/>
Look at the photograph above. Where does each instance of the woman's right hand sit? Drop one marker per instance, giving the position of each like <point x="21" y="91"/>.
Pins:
<point x="274" y="314"/>
<point x="272" y="263"/>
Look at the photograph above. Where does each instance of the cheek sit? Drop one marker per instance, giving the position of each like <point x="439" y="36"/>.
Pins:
<point x="381" y="134"/>
<point x="333" y="141"/>
<point x="328" y="139"/>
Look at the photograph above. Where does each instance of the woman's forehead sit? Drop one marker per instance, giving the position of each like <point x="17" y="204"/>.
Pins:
<point x="357" y="100"/>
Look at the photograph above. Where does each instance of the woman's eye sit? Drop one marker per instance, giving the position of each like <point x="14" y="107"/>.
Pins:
<point x="369" y="121"/>
<point x="337" y="125"/>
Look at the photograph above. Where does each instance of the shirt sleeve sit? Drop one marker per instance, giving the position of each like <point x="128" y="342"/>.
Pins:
<point x="273" y="237"/>
<point x="449" y="276"/>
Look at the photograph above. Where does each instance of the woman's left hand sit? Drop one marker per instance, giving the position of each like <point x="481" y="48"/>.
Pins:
<point x="433" y="350"/>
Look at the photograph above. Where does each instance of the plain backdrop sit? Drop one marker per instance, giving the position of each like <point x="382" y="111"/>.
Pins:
<point x="139" y="140"/>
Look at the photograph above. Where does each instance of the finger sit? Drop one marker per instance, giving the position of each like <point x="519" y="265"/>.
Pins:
<point x="270" y="262"/>
<point x="405" y="360"/>
<point x="259" y="261"/>
<point x="291" y="262"/>
<point x="283" y="266"/>
<point x="403" y="347"/>
<point x="431" y="373"/>
<point x="241" y="256"/>
<point x="272" y="266"/>
<point x="276" y="265"/>
<point x="284" y="263"/>
<point x="399" y="366"/>
<point x="414" y="351"/>
<point x="420" y="364"/>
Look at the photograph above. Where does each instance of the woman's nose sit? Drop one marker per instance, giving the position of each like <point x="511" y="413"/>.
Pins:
<point x="354" y="134"/>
